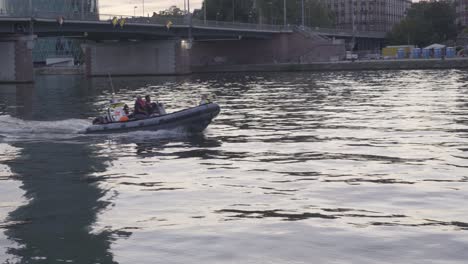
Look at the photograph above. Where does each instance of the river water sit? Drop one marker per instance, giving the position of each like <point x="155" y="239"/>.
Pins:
<point x="347" y="167"/>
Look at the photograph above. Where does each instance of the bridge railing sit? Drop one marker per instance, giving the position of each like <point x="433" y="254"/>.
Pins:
<point x="154" y="20"/>
<point x="184" y="21"/>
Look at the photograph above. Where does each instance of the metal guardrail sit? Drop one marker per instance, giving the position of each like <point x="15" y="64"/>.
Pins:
<point x="157" y="20"/>
<point x="185" y="21"/>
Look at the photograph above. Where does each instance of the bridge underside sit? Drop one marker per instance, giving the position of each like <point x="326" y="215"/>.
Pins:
<point x="155" y="57"/>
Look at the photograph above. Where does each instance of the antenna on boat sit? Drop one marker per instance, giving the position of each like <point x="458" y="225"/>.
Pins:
<point x="112" y="86"/>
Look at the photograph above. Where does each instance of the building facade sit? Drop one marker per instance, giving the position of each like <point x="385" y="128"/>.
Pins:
<point x="368" y="15"/>
<point x="51" y="8"/>
<point x="461" y="7"/>
<point x="53" y="47"/>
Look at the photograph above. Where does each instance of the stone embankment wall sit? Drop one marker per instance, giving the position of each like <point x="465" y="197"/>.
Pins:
<point x="461" y="63"/>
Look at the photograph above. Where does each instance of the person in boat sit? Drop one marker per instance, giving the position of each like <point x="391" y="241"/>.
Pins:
<point x="151" y="108"/>
<point x="140" y="111"/>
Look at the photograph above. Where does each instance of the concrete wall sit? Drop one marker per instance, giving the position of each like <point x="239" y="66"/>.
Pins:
<point x="228" y="52"/>
<point x="16" y="63"/>
<point x="282" y="48"/>
<point x="304" y="48"/>
<point x="24" y="66"/>
<point x="136" y="58"/>
<point x="7" y="63"/>
<point x="377" y="65"/>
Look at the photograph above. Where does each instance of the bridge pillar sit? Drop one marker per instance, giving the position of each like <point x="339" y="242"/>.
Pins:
<point x="156" y="57"/>
<point x="16" y="63"/>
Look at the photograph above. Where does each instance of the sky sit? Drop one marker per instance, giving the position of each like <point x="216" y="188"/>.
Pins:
<point x="126" y="7"/>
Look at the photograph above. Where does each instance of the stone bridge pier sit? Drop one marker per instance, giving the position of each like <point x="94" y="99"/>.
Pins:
<point x="16" y="62"/>
<point x="155" y="57"/>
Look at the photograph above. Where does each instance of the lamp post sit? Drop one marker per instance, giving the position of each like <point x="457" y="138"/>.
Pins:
<point x="143" y="7"/>
<point x="190" y="26"/>
<point x="82" y="10"/>
<point x="30" y="6"/>
<point x="353" y="39"/>
<point x="303" y="22"/>
<point x="271" y="12"/>
<point x="204" y="11"/>
<point x="134" y="10"/>
<point x="233" y="11"/>
<point x="284" y="12"/>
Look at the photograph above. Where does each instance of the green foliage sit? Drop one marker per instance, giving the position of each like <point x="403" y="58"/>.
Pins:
<point x="267" y="11"/>
<point x="426" y="23"/>
<point x="172" y="11"/>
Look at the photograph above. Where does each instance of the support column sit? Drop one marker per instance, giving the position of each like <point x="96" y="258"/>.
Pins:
<point x="16" y="65"/>
<point x="156" y="57"/>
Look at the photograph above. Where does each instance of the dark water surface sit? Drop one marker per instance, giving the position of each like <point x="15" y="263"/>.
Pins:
<point x="349" y="167"/>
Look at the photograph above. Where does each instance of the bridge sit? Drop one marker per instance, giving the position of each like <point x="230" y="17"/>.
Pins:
<point x="173" y="44"/>
<point x="46" y="25"/>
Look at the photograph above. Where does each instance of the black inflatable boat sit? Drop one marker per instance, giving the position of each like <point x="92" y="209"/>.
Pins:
<point x="194" y="119"/>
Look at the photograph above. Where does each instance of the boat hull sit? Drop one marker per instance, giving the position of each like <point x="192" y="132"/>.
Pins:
<point x="192" y="120"/>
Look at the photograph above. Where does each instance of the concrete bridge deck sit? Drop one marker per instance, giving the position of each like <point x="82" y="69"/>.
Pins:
<point x="155" y="45"/>
<point x="152" y="27"/>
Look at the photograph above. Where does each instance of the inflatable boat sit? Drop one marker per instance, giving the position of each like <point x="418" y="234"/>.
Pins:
<point x="194" y="120"/>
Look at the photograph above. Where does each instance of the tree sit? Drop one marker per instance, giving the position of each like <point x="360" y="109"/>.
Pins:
<point x="172" y="11"/>
<point x="267" y="11"/>
<point x="426" y="23"/>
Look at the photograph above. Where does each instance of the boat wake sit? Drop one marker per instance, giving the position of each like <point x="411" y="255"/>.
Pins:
<point x="14" y="129"/>
<point x="11" y="128"/>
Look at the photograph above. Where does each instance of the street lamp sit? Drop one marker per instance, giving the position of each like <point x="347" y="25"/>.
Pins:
<point x="233" y="11"/>
<point x="204" y="12"/>
<point x="284" y="12"/>
<point x="190" y="26"/>
<point x="303" y="23"/>
<point x="271" y="12"/>
<point x="134" y="10"/>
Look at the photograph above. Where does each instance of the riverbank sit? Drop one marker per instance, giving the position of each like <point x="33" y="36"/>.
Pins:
<point x="360" y="65"/>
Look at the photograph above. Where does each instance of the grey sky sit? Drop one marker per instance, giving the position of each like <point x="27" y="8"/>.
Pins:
<point x="125" y="7"/>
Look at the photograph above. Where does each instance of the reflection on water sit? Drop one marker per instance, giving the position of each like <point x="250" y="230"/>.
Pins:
<point x="353" y="167"/>
<point x="55" y="224"/>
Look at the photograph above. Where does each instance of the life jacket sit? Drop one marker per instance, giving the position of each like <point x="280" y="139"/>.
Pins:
<point x="140" y="106"/>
